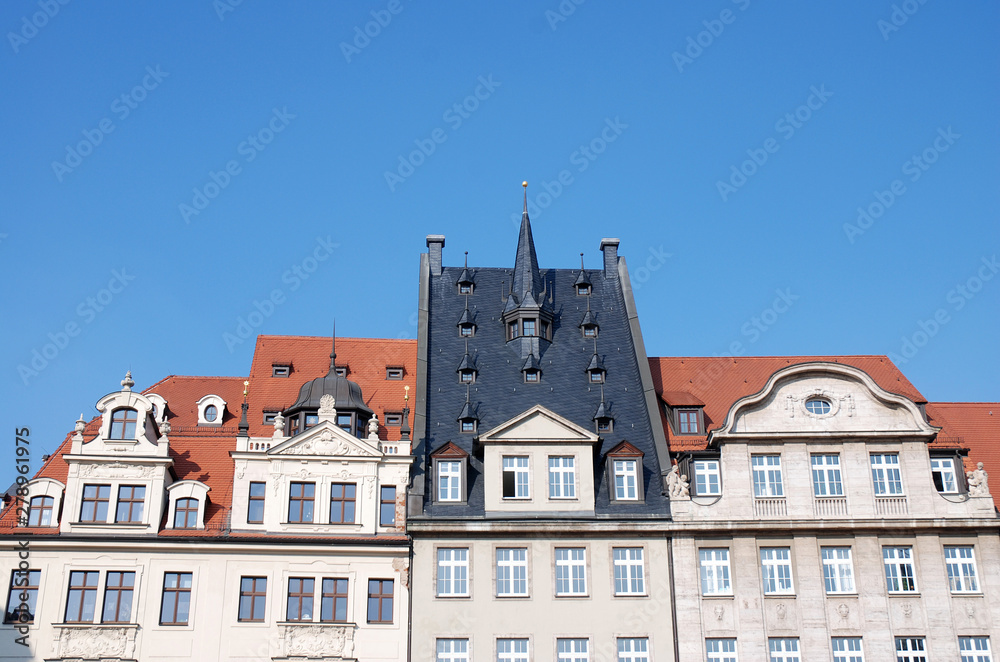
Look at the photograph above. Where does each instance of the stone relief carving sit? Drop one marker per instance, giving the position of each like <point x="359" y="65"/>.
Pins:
<point x="327" y="405"/>
<point x="116" y="470"/>
<point x="241" y="468"/>
<point x="970" y="611"/>
<point x="782" y="611"/>
<point x="907" y="609"/>
<point x="790" y="401"/>
<point x="93" y="643"/>
<point x="849" y="401"/>
<point x="720" y="611"/>
<point x="320" y="641"/>
<point x="844" y="611"/>
<point x="977" y="480"/>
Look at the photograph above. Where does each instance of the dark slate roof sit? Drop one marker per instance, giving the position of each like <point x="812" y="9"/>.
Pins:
<point x="500" y="392"/>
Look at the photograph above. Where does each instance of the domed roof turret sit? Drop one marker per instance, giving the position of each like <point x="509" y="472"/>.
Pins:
<point x="347" y="394"/>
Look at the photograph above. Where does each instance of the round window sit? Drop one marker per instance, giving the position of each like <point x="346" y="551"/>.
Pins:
<point x="212" y="413"/>
<point x="818" y="406"/>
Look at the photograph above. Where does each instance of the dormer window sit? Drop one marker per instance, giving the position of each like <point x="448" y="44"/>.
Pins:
<point x="281" y="370"/>
<point x="596" y="376"/>
<point x="123" y="423"/>
<point x="467" y="376"/>
<point x="583" y="290"/>
<point x="528" y="327"/>
<point x="340" y="370"/>
<point x="211" y="413"/>
<point x="512" y="331"/>
<point x="269" y="417"/>
<point x="595" y="369"/>
<point x="449" y="473"/>
<point x="590" y="331"/>
<point x="393" y="420"/>
<point x="466" y="330"/>
<point x="687" y="421"/>
<point x="624" y="466"/>
<point x="468" y="425"/>
<point x="394" y="373"/>
<point x="40" y="511"/>
<point x="532" y="376"/>
<point x="605" y="424"/>
<point x="211" y="410"/>
<point x="465" y="288"/>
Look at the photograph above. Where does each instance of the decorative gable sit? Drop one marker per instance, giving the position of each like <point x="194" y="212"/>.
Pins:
<point x="540" y="425"/>
<point x="326" y="439"/>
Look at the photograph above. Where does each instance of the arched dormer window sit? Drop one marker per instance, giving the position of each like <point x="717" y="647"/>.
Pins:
<point x="187" y="499"/>
<point x="186" y="514"/>
<point x="211" y="410"/>
<point x="123" y="423"/>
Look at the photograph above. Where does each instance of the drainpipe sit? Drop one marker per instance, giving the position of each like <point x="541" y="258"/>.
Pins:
<point x="673" y="598"/>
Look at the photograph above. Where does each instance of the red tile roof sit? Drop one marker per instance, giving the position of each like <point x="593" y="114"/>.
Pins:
<point x="975" y="426"/>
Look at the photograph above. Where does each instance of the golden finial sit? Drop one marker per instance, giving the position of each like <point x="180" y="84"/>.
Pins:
<point x="406" y="395"/>
<point x="524" y="184"/>
<point x="246" y="388"/>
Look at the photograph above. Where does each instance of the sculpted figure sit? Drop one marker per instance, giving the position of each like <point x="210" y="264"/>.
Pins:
<point x="978" y="485"/>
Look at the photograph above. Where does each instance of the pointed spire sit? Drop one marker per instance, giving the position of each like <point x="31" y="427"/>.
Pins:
<point x="468" y="412"/>
<point x="524" y="185"/>
<point x="465" y="278"/>
<point x="527" y="279"/>
<point x="602" y="409"/>
<point x="333" y="350"/>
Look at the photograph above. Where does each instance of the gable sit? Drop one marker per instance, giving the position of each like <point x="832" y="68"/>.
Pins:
<point x="326" y="439"/>
<point x="538" y="424"/>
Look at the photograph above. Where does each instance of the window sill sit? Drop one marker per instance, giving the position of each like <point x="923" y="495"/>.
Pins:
<point x="631" y="595"/>
<point x="845" y="594"/>
<point x="967" y="594"/>
<point x="718" y="596"/>
<point x="513" y="597"/>
<point x="571" y="596"/>
<point x="453" y="597"/>
<point x="791" y="596"/>
<point x="904" y="594"/>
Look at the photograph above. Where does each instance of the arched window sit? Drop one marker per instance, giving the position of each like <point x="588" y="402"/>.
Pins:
<point x="123" y="423"/>
<point x="186" y="514"/>
<point x="40" y="511"/>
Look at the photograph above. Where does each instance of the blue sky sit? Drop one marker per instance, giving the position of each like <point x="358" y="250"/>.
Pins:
<point x="167" y="166"/>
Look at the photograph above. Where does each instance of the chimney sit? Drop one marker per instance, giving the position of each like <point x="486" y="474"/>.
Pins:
<point x="435" y="244"/>
<point x="610" y="249"/>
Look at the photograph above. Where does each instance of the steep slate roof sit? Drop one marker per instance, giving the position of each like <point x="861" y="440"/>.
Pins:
<point x="500" y="392"/>
<point x="975" y="426"/>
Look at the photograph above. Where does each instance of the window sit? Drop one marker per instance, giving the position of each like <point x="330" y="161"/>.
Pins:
<point x="253" y="597"/>
<point x="512" y="572"/>
<point x="340" y="370"/>
<point x="826" y="476"/>
<point x="22" y="598"/>
<point x="776" y="568"/>
<point x="596" y="376"/>
<point x="40" y="511"/>
<point x="629" y="574"/>
<point x="626" y="483"/>
<point x="468" y="425"/>
<point x="512" y="650"/>
<point x="943" y="473"/>
<point x="345" y="422"/>
<point x="380" y="601"/>
<point x="118" y="597"/>
<point x="783" y="650"/>
<point x="818" y="406"/>
<point x="466" y="330"/>
<point x="961" y="569"/>
<point x="847" y="649"/>
<point x="721" y="650"/>
<point x="393" y="420"/>
<point x="449" y="480"/>
<point x="571" y="571"/>
<point x="572" y="650"/>
<point x="123" y="423"/>
<point x="707" y="480"/>
<point x="528" y="328"/>
<point x="531" y="375"/>
<point x="255" y="511"/>
<point x="211" y="413"/>
<point x="885" y="474"/>
<point x="605" y="424"/>
<point x="300" y="599"/>
<point x="312" y="420"/>
<point x="910" y="649"/>
<point x="589" y="330"/>
<point x="343" y="498"/>
<point x="467" y="376"/>
<point x="387" y="506"/>
<point x="687" y="421"/>
<point x="186" y="514"/>
<point x="975" y="649"/>
<point x="333" y="602"/>
<point x="562" y="478"/>
<point x="899" y="575"/>
<point x="465" y="288"/>
<point x="130" y="499"/>
<point x="583" y="289"/>
<point x="515" y="478"/>
<point x="452" y="650"/>
<point x="269" y="417"/>
<point x="394" y="373"/>
<point x="176" y="607"/>
<point x="714" y="572"/>
<point x="300" y="502"/>
<point x="512" y="331"/>
<point x="452" y="572"/>
<point x="82" y="599"/>
<point x="281" y="370"/>
<point x="766" y="475"/>
<point x="838" y="571"/>
<point x="633" y="650"/>
<point x="95" y="503"/>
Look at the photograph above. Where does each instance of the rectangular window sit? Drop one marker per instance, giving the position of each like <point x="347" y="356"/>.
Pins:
<point x="95" y="503"/>
<point x="512" y="650"/>
<point x="721" y="650"/>
<point x="715" y="572"/>
<point x="707" y="480"/>
<point x="776" y="568"/>
<point x="767" y="475"/>
<point x="380" y="601"/>
<point x="300" y="599"/>
<point x="393" y="420"/>
<point x="186" y="514"/>
<point x="961" y="564"/>
<point x="826" y="476"/>
<point x="626" y="480"/>
<point x="452" y="650"/>
<point x="629" y="571"/>
<point x="333" y="602"/>
<point x="911" y="649"/>
<point x="885" y="474"/>
<point x="633" y="650"/>
<point x="40" y="511"/>
<point x="118" y="597"/>
<point x="468" y="425"/>
<point x="82" y="599"/>
<point x="975" y="649"/>
<point x="22" y="597"/>
<point x="394" y="373"/>
<point x="562" y="478"/>
<point x="269" y="417"/>
<point x="453" y="572"/>
<point x="847" y="649"/>
<point x="130" y="500"/>
<point x="783" y="650"/>
<point x="176" y="605"/>
<point x="512" y="331"/>
<point x="301" y="497"/>
<point x="253" y="598"/>
<point x="687" y="420"/>
<point x="838" y="570"/>
<point x="515" y="478"/>
<point x="528" y="327"/>
<point x="943" y="473"/>
<point x="571" y="571"/>
<point x="512" y="572"/>
<point x="572" y="650"/>
<point x="255" y="511"/>
<point x="531" y="375"/>
<point x="449" y="481"/>
<point x="343" y="498"/>
<point x="312" y="420"/>
<point x="280" y="370"/>
<point x="387" y="506"/>
<point x="899" y="574"/>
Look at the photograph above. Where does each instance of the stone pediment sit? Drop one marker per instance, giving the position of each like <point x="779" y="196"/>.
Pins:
<point x="326" y="439"/>
<point x="541" y="425"/>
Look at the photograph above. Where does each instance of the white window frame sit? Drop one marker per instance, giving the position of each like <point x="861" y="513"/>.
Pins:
<point x="767" y="481"/>
<point x="626" y="479"/>
<point x="452" y="572"/>
<point x="713" y="565"/>
<point x="945" y="467"/>
<point x="520" y="466"/>
<point x="838" y="570"/>
<point x="562" y="477"/>
<point x="633" y="649"/>
<point x="571" y="571"/>
<point x="826" y="475"/>
<point x="776" y="570"/>
<point x="572" y="650"/>
<point x="848" y="649"/>
<point x="963" y="576"/>
<point x="721" y="650"/>
<point x="783" y="649"/>
<point x="449" y="481"/>
<point x="978" y="646"/>
<point x="886" y="476"/>
<point x="512" y="570"/>
<point x="897" y="561"/>
<point x="513" y="650"/>
<point x="629" y="571"/>
<point x="452" y="650"/>
<point x="704" y="473"/>
<point x="911" y="649"/>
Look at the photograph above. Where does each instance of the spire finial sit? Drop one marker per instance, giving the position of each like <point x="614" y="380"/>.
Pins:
<point x="524" y="185"/>
<point x="128" y="382"/>
<point x="466" y="259"/>
<point x="581" y="261"/>
<point x="333" y="348"/>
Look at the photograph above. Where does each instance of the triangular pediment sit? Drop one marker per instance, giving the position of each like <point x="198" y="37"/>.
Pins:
<point x="541" y="425"/>
<point x="326" y="440"/>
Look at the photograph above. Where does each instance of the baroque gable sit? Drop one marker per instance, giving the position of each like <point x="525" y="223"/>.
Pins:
<point x="326" y="439"/>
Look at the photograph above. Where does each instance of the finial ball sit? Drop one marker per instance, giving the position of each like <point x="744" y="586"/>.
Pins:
<point x="524" y="184"/>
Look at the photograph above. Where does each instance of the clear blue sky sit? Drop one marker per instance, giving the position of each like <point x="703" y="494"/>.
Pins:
<point x="664" y="121"/>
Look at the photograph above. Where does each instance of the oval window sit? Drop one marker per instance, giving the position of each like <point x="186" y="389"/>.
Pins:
<point x="211" y="413"/>
<point x="818" y="406"/>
